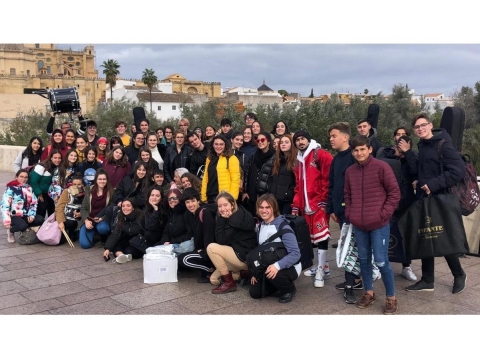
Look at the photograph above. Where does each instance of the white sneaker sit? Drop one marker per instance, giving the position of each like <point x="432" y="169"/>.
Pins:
<point x="310" y="272"/>
<point x="408" y="274"/>
<point x="10" y="236"/>
<point x="319" y="281"/>
<point x="122" y="259"/>
<point x="379" y="276"/>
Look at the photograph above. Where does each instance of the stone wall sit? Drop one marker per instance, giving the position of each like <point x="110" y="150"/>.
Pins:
<point x="8" y="154"/>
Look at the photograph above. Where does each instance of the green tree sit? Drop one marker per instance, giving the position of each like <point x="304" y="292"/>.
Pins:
<point x="465" y="98"/>
<point x="365" y="91"/>
<point x="311" y="94"/>
<point x="283" y="92"/>
<point x="150" y="79"/>
<point x="110" y="70"/>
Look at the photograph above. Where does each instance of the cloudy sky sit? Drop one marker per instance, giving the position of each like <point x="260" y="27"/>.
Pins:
<point x="299" y="68"/>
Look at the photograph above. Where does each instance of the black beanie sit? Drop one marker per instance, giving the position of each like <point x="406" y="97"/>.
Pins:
<point x="303" y="133"/>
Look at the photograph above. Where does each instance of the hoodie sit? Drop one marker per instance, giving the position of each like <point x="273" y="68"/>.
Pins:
<point x="376" y="144"/>
<point x="289" y="241"/>
<point x="18" y="200"/>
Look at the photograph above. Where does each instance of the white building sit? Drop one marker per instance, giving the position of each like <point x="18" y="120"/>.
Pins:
<point x="165" y="106"/>
<point x="440" y="98"/>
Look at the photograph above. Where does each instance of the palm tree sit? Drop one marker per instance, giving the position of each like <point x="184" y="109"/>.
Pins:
<point x="111" y="72"/>
<point x="149" y="78"/>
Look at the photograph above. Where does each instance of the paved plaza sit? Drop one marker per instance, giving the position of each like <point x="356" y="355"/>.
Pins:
<point x="41" y="279"/>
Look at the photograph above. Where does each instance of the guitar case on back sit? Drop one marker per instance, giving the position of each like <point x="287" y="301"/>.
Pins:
<point x="453" y="121"/>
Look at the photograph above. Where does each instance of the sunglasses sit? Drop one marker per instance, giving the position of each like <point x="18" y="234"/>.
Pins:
<point x="262" y="140"/>
<point x="173" y="198"/>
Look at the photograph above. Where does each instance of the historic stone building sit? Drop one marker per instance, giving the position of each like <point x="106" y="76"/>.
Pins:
<point x="27" y="66"/>
<point x="182" y="85"/>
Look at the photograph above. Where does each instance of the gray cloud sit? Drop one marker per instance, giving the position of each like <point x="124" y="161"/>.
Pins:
<point x="298" y="68"/>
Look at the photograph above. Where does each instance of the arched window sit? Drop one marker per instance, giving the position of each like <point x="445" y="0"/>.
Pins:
<point x="41" y="64"/>
<point x="13" y="72"/>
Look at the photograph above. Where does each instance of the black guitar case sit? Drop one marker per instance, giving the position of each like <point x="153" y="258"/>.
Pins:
<point x="138" y="115"/>
<point x="453" y="121"/>
<point x="372" y="115"/>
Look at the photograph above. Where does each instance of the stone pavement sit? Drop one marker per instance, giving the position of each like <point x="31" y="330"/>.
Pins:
<point x="41" y="279"/>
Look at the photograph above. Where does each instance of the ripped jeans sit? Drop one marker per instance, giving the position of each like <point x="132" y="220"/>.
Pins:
<point x="377" y="241"/>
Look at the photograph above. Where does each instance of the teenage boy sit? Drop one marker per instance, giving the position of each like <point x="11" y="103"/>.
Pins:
<point x="340" y="141"/>
<point x="198" y="157"/>
<point x="371" y="197"/>
<point x="403" y="153"/>
<point x="433" y="180"/>
<point x="121" y="130"/>
<point x="226" y="127"/>
<point x="310" y="196"/>
<point x="92" y="133"/>
<point x="176" y="156"/>
<point x="250" y="118"/>
<point x="365" y="128"/>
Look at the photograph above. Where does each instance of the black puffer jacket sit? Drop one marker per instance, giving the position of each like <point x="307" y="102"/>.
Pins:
<point x="257" y="172"/>
<point x="127" y="189"/>
<point x="429" y="171"/>
<point x="281" y="185"/>
<point x="132" y="226"/>
<point x="154" y="226"/>
<point x="176" y="229"/>
<point x="238" y="231"/>
<point x="170" y="160"/>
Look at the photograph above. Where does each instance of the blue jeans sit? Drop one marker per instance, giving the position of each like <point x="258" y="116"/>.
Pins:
<point x="86" y="236"/>
<point x="377" y="241"/>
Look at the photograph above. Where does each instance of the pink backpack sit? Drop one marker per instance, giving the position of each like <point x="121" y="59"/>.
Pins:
<point x="49" y="233"/>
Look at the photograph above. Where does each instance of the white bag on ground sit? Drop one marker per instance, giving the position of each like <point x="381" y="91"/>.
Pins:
<point x="161" y="249"/>
<point x="343" y="244"/>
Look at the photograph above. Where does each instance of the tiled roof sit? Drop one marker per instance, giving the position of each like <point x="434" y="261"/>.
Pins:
<point x="264" y="88"/>
<point x="142" y="87"/>
<point x="15" y="47"/>
<point x="162" y="97"/>
<point x="433" y="95"/>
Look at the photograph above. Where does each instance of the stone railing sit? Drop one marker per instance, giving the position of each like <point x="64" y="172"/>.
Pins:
<point x="8" y="154"/>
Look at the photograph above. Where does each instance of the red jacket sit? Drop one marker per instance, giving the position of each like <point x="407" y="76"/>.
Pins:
<point x="371" y="194"/>
<point x="316" y="178"/>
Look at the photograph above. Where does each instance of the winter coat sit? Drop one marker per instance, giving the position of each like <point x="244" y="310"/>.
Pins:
<point x="238" y="232"/>
<point x="197" y="162"/>
<point x="228" y="176"/>
<point x="336" y="182"/>
<point x="153" y="225"/>
<point x="169" y="166"/>
<point x="248" y="149"/>
<point x="429" y="162"/>
<point x="371" y="194"/>
<point x="203" y="231"/>
<point x="23" y="162"/>
<point x="282" y="184"/>
<point x="374" y="142"/>
<point x="127" y="189"/>
<point x="115" y="172"/>
<point x="312" y="177"/>
<point x="131" y="227"/>
<point x="48" y="149"/>
<point x="65" y="199"/>
<point x="257" y="173"/>
<point x="40" y="179"/>
<point x="87" y="205"/>
<point x="18" y="200"/>
<point x="408" y="166"/>
<point x="88" y="170"/>
<point x="176" y="229"/>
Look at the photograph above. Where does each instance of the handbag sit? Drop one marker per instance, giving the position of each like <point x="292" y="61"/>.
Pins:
<point x="433" y="227"/>
<point x="352" y="262"/>
<point x="29" y="236"/>
<point x="49" y="233"/>
<point x="396" y="245"/>
<point x="343" y="243"/>
<point x="139" y="242"/>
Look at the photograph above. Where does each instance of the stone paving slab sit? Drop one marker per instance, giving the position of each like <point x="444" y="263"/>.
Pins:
<point x="40" y="279"/>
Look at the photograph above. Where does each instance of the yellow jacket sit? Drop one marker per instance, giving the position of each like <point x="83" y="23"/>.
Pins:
<point x="228" y="179"/>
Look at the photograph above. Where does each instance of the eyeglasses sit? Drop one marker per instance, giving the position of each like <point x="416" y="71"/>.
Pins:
<point x="416" y="127"/>
<point x="139" y="138"/>
<point x="173" y="198"/>
<point x="262" y="140"/>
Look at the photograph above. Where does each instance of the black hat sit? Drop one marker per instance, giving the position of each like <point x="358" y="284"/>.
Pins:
<point x="303" y="133"/>
<point x="138" y="115"/>
<point x="91" y="122"/>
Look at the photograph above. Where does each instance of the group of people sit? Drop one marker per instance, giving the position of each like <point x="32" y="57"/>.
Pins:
<point x="217" y="195"/>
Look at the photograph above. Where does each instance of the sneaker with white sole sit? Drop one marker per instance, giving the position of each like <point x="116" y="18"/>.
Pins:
<point x="122" y="259"/>
<point x="326" y="269"/>
<point x="310" y="272"/>
<point x="319" y="282"/>
<point x="408" y="274"/>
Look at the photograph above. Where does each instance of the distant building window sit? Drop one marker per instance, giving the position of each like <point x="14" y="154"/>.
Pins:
<point x="41" y="64"/>
<point x="13" y="72"/>
<point x="77" y="63"/>
<point x="48" y="70"/>
<point x="89" y="52"/>
<point x="48" y="59"/>
<point x="40" y="55"/>
<point x="58" y="86"/>
<point x="174" y="107"/>
<point x="88" y="94"/>
<point x="70" y="58"/>
<point x="159" y="108"/>
<point x="78" y="86"/>
<point x="28" y="72"/>
<point x="37" y="46"/>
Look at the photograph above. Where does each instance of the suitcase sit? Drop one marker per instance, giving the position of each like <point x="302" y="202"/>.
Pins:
<point x="372" y="114"/>
<point x="453" y="121"/>
<point x="302" y="232"/>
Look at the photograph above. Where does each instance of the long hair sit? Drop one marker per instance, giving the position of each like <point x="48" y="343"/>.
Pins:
<point x="62" y="145"/>
<point x="28" y="152"/>
<point x="145" y="181"/>
<point x="290" y="156"/>
<point x="194" y="180"/>
<point x="148" y="206"/>
<point x="64" y="165"/>
<point x="108" y="187"/>
<point x="122" y="162"/>
<point x="74" y="144"/>
<point x="149" y="165"/>
<point x="227" y="196"/>
<point x="138" y="214"/>
<point x="170" y="192"/>
<point x="274" y="130"/>
<point x="205" y="138"/>
<point x="270" y="200"/>
<point x="227" y="151"/>
<point x="252" y="140"/>
<point x="47" y="163"/>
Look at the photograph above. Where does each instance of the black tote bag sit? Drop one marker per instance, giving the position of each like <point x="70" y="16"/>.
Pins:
<point x="396" y="246"/>
<point x="433" y="227"/>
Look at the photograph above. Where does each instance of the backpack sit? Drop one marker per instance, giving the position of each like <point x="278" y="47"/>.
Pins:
<point x="467" y="189"/>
